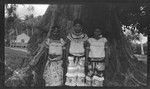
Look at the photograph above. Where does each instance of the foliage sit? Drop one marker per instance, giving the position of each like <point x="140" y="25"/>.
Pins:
<point x="131" y="33"/>
<point x="10" y="15"/>
<point x="9" y="18"/>
<point x="136" y="14"/>
<point x="15" y="25"/>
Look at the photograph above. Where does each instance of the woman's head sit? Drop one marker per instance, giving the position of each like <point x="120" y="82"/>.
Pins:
<point x="77" y="26"/>
<point x="55" y="31"/>
<point x="97" y="32"/>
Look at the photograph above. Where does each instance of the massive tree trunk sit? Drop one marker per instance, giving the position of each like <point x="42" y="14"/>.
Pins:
<point x="123" y="68"/>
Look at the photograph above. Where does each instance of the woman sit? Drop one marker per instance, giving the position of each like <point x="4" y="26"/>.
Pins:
<point x="53" y="73"/>
<point x="96" y="59"/>
<point x="76" y="49"/>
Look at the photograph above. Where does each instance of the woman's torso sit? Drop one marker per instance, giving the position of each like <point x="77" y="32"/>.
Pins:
<point x="77" y="45"/>
<point x="55" y="46"/>
<point x="97" y="47"/>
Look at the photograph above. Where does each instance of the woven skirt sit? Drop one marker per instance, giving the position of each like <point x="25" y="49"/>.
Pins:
<point x="53" y="73"/>
<point x="95" y="76"/>
<point x="75" y="75"/>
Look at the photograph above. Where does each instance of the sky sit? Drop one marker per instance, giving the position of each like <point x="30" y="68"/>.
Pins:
<point x="39" y="9"/>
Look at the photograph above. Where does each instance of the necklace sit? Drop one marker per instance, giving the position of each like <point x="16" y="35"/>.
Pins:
<point x="77" y="34"/>
<point x="77" y="39"/>
<point x="98" y="37"/>
<point x="55" y="41"/>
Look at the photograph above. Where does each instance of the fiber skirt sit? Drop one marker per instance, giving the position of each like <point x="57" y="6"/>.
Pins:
<point x="53" y="73"/>
<point x="75" y="75"/>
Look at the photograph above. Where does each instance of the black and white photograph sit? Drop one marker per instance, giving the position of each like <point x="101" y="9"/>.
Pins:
<point x="76" y="44"/>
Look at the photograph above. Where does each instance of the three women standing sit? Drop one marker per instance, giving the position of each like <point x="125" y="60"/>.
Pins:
<point x="79" y="50"/>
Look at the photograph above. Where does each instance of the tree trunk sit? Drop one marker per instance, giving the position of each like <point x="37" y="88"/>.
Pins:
<point x="142" y="50"/>
<point x="141" y="44"/>
<point x="123" y="67"/>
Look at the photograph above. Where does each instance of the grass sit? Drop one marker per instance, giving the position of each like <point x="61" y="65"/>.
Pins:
<point x="14" y="59"/>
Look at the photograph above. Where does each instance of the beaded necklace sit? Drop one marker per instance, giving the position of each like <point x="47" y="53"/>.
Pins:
<point x="55" y="41"/>
<point x="99" y="37"/>
<point x="77" y="39"/>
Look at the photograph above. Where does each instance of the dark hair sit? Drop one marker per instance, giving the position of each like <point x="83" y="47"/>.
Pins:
<point x="53" y="29"/>
<point x="100" y="27"/>
<point x="78" y="21"/>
